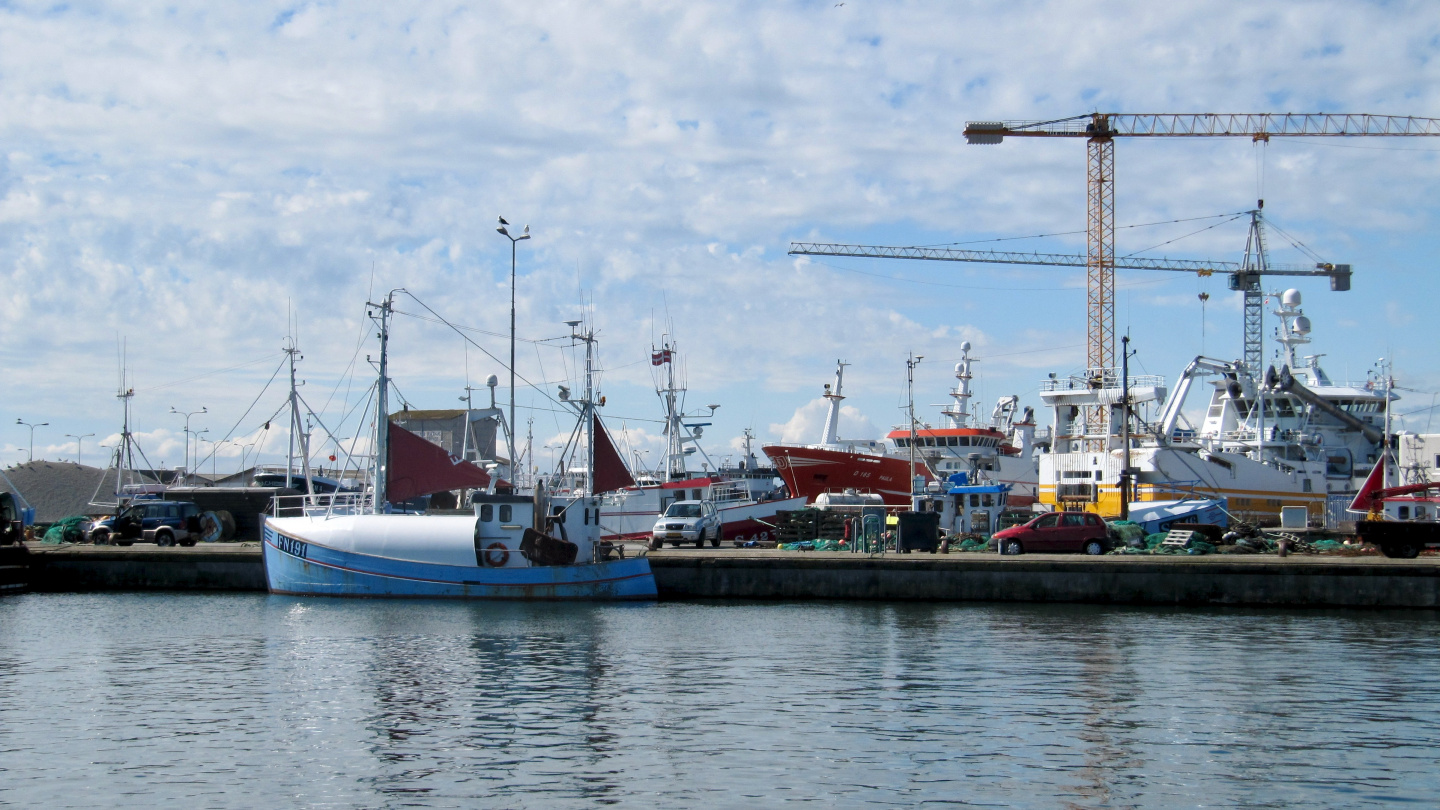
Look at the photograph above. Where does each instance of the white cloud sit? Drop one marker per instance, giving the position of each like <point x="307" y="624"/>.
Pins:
<point x="808" y="420"/>
<point x="183" y="180"/>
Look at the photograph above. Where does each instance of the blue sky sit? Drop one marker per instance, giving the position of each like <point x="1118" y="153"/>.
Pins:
<point x="182" y="177"/>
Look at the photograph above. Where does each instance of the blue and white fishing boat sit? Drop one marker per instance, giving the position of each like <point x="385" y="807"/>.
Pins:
<point x="540" y="546"/>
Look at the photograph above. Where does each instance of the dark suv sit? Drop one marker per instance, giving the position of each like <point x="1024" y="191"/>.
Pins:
<point x="164" y="523"/>
<point x="1057" y="532"/>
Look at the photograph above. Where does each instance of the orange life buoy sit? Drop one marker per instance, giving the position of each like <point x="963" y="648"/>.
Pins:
<point x="496" y="555"/>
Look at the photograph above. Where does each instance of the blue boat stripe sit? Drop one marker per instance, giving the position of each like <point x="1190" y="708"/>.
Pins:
<point x="336" y="566"/>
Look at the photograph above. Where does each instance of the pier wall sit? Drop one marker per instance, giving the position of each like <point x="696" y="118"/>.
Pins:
<point x="1319" y="581"/>
<point x="107" y="568"/>
<point x="1211" y="580"/>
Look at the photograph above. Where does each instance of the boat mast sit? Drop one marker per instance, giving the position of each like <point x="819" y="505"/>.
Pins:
<point x="587" y="407"/>
<point x="1253" y="266"/>
<point x="959" y="413"/>
<point x="123" y="454"/>
<point x="910" y="364"/>
<point x="297" y="429"/>
<point x="829" y="435"/>
<point x="675" y="450"/>
<point x="1385" y="445"/>
<point x="382" y="407"/>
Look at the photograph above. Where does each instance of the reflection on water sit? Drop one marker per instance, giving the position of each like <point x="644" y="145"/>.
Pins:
<point x="249" y="700"/>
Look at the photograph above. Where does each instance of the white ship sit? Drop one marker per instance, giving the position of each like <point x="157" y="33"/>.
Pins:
<point x="1295" y="438"/>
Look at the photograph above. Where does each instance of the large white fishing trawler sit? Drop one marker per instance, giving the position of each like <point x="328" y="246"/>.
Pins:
<point x="1295" y="437"/>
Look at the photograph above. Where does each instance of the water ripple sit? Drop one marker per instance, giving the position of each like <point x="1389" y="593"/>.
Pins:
<point x="122" y="700"/>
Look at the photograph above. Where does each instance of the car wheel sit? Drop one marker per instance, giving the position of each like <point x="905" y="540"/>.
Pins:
<point x="100" y="537"/>
<point x="1094" y="548"/>
<point x="1011" y="547"/>
<point x="700" y="541"/>
<point x="716" y="537"/>
<point x="164" y="539"/>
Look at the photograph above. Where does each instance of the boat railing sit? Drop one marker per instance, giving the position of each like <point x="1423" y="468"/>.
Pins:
<point x="329" y="504"/>
<point x="729" y="491"/>
<point x="1099" y="378"/>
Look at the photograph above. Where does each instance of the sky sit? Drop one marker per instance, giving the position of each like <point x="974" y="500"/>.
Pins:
<point x="193" y="186"/>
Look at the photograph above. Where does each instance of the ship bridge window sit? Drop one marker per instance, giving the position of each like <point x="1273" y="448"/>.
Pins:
<point x="505" y="513"/>
<point x="487" y="513"/>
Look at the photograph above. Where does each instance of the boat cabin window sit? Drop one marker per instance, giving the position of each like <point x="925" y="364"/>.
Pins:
<point x="1421" y="513"/>
<point x="987" y="499"/>
<point x="559" y="513"/>
<point x="683" y="510"/>
<point x="697" y="495"/>
<point x="505" y="513"/>
<point x="487" y="513"/>
<point x="1404" y="513"/>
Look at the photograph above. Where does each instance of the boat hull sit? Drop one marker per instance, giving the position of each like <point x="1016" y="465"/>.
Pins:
<point x="811" y="471"/>
<point x="296" y="566"/>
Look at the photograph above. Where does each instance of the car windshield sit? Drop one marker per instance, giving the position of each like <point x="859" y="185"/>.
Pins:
<point x="683" y="510"/>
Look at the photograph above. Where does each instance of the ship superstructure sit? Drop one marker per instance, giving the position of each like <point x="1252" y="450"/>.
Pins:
<point x="1294" y="437"/>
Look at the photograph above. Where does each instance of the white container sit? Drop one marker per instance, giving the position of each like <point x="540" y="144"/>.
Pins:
<point x="1293" y="517"/>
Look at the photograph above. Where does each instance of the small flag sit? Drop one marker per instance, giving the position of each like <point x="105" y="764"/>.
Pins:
<point x="657" y="358"/>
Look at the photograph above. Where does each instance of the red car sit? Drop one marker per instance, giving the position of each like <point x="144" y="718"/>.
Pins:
<point x="1057" y="532"/>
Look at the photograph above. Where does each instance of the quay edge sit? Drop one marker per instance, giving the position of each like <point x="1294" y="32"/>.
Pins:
<point x="1137" y="580"/>
<point x="1298" y="581"/>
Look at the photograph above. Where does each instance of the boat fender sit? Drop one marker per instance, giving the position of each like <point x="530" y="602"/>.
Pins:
<point x="496" y="555"/>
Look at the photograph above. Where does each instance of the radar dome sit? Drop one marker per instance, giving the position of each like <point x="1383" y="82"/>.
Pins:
<point x="1290" y="298"/>
<point x="964" y="345"/>
<point x="959" y="367"/>
<point x="1302" y="325"/>
<point x="492" y="381"/>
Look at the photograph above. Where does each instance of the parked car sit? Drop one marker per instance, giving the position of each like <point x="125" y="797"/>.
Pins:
<point x="164" y="523"/>
<point x="1057" y="532"/>
<point x="687" y="522"/>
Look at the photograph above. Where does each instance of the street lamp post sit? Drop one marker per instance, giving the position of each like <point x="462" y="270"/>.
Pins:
<point x="32" y="433"/>
<point x="79" y="440"/>
<point x="510" y="425"/>
<point x="187" y="416"/>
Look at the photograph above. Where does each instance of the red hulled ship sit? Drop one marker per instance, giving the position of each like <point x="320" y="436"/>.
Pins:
<point x="1003" y="450"/>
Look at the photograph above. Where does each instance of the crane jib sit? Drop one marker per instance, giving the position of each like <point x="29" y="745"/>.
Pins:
<point x="1253" y="125"/>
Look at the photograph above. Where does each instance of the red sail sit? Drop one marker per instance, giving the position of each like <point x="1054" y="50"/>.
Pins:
<point x="418" y="467"/>
<point x="610" y="470"/>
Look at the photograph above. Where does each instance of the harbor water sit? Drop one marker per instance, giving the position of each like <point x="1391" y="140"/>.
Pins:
<point x="249" y="700"/>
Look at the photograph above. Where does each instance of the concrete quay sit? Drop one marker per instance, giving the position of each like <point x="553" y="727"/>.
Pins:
<point x="147" y="567"/>
<point x="767" y="574"/>
<point x="1314" y="581"/>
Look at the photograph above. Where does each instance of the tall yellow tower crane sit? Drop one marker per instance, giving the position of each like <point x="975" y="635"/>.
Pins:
<point x="1100" y="131"/>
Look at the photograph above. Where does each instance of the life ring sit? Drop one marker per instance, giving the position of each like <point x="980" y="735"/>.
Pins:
<point x="496" y="555"/>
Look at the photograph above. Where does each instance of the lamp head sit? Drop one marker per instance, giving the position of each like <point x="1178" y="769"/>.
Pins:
<point x="502" y="230"/>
